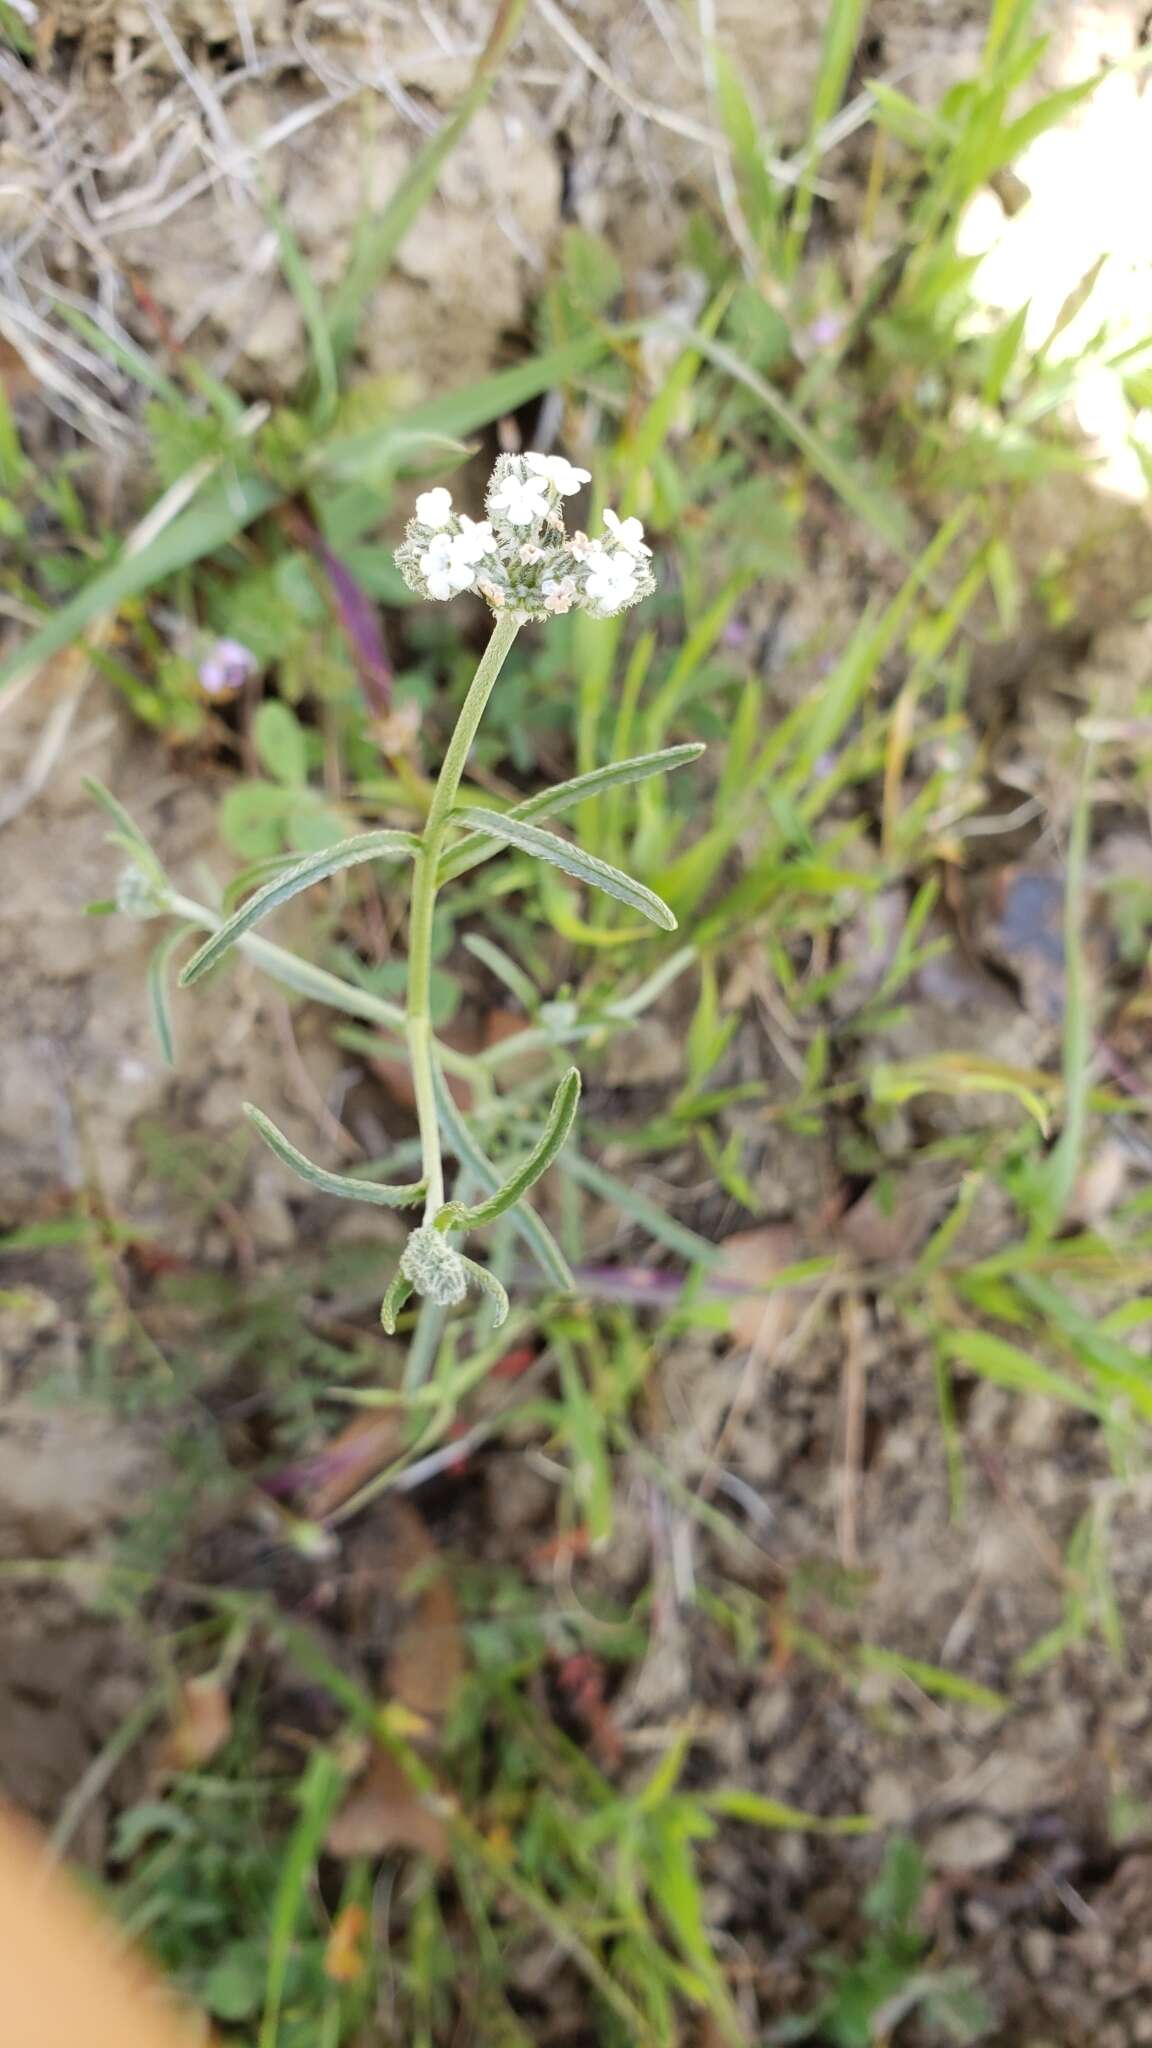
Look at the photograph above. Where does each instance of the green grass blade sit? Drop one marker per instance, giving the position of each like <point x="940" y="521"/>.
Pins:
<point x="559" y="1123"/>
<point x="869" y="501"/>
<point x="320" y="1790"/>
<point x="223" y="509"/>
<point x="306" y="293"/>
<point x="124" y="353"/>
<point x="841" y="34"/>
<point x="347" y="1186"/>
<point x="572" y="860"/>
<point x="316" y="867"/>
<point x="648" y="1215"/>
<point x="1008" y="1366"/>
<point x="736" y="1804"/>
<point x="933" y="1679"/>
<point x="1063" y="1163"/>
<point x="375" y="246"/>
<point x="616" y="775"/>
<point x="459" y="412"/>
<point x="506" y="970"/>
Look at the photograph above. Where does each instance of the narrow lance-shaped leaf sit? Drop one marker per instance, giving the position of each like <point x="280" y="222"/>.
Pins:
<point x="583" y="867"/>
<point x="457" y="1216"/>
<point x="158" y="992"/>
<point x="315" y="868"/>
<point x="346" y="1185"/>
<point x="128" y="835"/>
<point x="616" y="775"/>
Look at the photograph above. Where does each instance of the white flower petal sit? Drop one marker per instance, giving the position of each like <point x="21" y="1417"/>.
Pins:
<point x="560" y="473"/>
<point x="434" y="508"/>
<point x="628" y="533"/>
<point x="521" y="500"/>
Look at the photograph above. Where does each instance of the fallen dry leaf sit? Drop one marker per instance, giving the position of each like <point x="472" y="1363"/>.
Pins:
<point x="16" y="378"/>
<point x="426" y="1661"/>
<point x="351" y="1457"/>
<point x="344" y="1950"/>
<point x="202" y="1725"/>
<point x="751" y="1260"/>
<point x="383" y="1811"/>
<point x="885" y="1230"/>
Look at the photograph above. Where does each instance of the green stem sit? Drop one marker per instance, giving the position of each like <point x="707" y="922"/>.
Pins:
<point x="424" y="883"/>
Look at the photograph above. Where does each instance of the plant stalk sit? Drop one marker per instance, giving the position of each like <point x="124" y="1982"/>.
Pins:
<point x="423" y="904"/>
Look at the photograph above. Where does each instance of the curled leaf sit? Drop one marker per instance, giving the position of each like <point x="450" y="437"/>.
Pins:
<point x="343" y="1184"/>
<point x="492" y="1287"/>
<point x="399" y="1289"/>
<point x="457" y="1216"/>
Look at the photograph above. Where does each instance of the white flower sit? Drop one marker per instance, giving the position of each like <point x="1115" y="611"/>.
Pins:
<point x="612" y="579"/>
<point x="522" y="500"/>
<point x="559" y="593"/>
<point x="443" y="570"/>
<point x="474" y="541"/>
<point x="434" y="508"/>
<point x="628" y="533"/>
<point x="560" y="473"/>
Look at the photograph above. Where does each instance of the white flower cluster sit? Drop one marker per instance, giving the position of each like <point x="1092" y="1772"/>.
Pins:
<point x="522" y="559"/>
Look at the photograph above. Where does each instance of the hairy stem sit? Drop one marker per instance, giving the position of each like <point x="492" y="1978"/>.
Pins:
<point x="424" y="883"/>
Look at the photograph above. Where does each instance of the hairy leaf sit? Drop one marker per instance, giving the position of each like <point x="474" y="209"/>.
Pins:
<point x="583" y="867"/>
<point x="492" y="1287"/>
<point x="343" y="1184"/>
<point x="457" y="1216"/>
<point x="316" y="867"/>
<point x="159" y="994"/>
<point x="525" y="1222"/>
<point x="616" y="775"/>
<point x="399" y="1288"/>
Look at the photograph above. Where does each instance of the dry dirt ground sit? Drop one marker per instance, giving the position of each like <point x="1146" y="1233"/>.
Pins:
<point x="126" y="178"/>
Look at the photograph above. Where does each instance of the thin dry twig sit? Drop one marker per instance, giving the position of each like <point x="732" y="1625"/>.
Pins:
<point x="853" y="1415"/>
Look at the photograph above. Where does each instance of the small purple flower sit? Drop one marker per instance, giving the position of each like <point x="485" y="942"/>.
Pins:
<point x="825" y="331"/>
<point x="226" y="667"/>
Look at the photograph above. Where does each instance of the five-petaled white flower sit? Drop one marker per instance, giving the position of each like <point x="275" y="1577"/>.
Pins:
<point x="521" y="500"/>
<point x="628" y="533"/>
<point x="434" y="508"/>
<point x="442" y="568"/>
<point x="560" y="473"/>
<point x="474" y="540"/>
<point x="559" y="593"/>
<point x="611" y="580"/>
